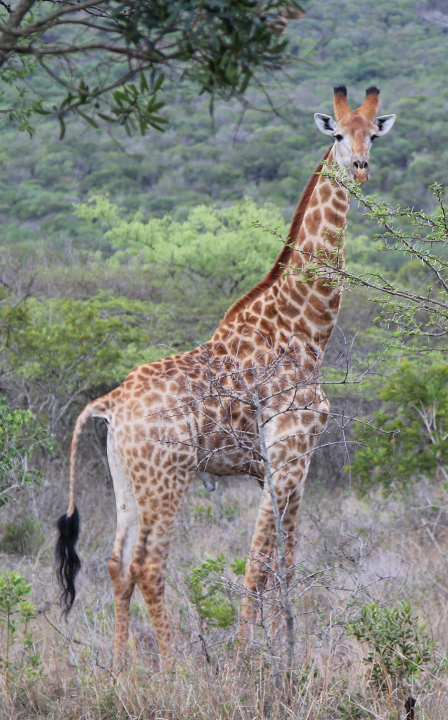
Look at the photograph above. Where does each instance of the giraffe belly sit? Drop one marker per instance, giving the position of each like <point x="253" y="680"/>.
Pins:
<point x="225" y="461"/>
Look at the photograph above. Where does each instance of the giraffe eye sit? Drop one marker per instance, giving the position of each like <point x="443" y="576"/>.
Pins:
<point x="338" y="137"/>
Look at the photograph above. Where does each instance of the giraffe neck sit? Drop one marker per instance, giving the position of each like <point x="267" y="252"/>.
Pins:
<point x="283" y="259"/>
<point x="307" y="296"/>
<point x="290" y="306"/>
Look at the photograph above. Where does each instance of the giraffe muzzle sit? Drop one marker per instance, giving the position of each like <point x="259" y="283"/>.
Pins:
<point x="360" y="170"/>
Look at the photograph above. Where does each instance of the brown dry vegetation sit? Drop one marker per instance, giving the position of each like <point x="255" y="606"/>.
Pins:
<point x="349" y="551"/>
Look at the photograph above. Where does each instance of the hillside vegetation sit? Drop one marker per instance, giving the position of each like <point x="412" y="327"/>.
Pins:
<point x="268" y="155"/>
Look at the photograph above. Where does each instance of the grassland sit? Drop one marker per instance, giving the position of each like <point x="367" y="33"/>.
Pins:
<point x="350" y="551"/>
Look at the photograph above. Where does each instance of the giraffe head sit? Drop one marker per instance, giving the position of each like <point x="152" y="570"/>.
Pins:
<point x="354" y="130"/>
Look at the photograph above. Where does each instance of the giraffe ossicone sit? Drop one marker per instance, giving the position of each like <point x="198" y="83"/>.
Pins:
<point x="199" y="413"/>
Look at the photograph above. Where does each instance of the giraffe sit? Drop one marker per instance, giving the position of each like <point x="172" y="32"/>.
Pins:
<point x="165" y="423"/>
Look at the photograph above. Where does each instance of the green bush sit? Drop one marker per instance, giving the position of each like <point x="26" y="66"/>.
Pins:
<point x="208" y="593"/>
<point x="220" y="248"/>
<point x="19" y="436"/>
<point x="409" y="439"/>
<point x="22" y="537"/>
<point x="74" y="346"/>
<point x="202" y="512"/>
<point x="230" y="512"/>
<point x="398" y="646"/>
<point x="239" y="565"/>
<point x="16" y="612"/>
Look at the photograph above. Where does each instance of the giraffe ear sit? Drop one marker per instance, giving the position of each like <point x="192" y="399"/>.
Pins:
<point x="325" y="123"/>
<point x="385" y="123"/>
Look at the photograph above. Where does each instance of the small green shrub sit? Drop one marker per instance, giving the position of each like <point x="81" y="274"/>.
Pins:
<point x="19" y="437"/>
<point x="16" y="612"/>
<point x="208" y="594"/>
<point x="202" y="512"/>
<point x="398" y="645"/>
<point x="230" y="512"/>
<point x="408" y="439"/>
<point x="22" y="537"/>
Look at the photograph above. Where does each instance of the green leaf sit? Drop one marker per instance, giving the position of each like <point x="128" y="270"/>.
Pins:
<point x="143" y="83"/>
<point x="158" y="83"/>
<point x="62" y="127"/>
<point x="88" y="119"/>
<point x="107" y="118"/>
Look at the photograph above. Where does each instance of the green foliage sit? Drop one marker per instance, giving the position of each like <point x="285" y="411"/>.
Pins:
<point x="230" y="512"/>
<point x="270" y="157"/>
<point x="132" y="105"/>
<point x="398" y="646"/>
<point x="65" y="340"/>
<point x="408" y="438"/>
<point x="208" y="593"/>
<point x="16" y="611"/>
<point x="202" y="512"/>
<point x="414" y="307"/>
<point x="20" y="435"/>
<point x="14" y="94"/>
<point x="217" y="45"/>
<point x="363" y="252"/>
<point x="73" y="346"/>
<point x="21" y="537"/>
<point x="195" y="268"/>
<point x="238" y="565"/>
<point x="219" y="246"/>
<point x="14" y="608"/>
<point x="223" y="43"/>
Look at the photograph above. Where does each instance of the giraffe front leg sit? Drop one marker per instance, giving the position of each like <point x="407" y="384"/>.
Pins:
<point x="262" y="565"/>
<point x="259" y="565"/>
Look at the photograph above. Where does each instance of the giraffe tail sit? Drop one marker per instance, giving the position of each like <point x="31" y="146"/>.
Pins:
<point x="68" y="563"/>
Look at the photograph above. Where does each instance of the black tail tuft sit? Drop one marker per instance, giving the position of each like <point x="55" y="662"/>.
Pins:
<point x="68" y="563"/>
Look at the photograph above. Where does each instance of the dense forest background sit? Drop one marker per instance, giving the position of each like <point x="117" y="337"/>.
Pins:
<point x="118" y="250"/>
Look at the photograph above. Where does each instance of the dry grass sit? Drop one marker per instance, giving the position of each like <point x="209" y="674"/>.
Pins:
<point x="349" y="552"/>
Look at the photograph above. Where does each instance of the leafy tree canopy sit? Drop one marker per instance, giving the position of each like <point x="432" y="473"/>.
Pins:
<point x="97" y="49"/>
<point x="219" y="248"/>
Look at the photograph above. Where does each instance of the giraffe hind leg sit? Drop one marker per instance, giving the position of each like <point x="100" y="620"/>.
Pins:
<point x="150" y="574"/>
<point x="148" y="567"/>
<point x="123" y="552"/>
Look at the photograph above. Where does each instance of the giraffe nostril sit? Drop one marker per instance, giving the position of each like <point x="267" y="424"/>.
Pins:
<point x="356" y="164"/>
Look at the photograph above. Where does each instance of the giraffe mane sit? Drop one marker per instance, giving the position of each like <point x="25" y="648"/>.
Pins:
<point x="285" y="255"/>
